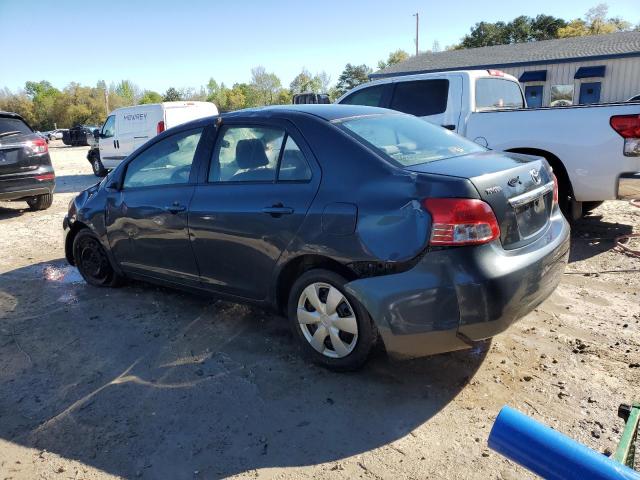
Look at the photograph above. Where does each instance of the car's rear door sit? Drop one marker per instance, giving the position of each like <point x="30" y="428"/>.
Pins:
<point x="261" y="181"/>
<point x="147" y="217"/>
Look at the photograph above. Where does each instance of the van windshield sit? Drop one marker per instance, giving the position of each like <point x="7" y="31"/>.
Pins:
<point x="408" y="140"/>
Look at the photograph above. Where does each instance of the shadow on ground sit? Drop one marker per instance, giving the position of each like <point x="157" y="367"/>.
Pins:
<point x="151" y="382"/>
<point x="591" y="236"/>
<point x="75" y="183"/>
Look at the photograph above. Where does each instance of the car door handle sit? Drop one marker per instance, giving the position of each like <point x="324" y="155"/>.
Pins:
<point x="175" y="208"/>
<point x="277" y="210"/>
<point x="114" y="144"/>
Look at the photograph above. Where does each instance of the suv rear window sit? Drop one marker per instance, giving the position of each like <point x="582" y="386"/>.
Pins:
<point x="497" y="93"/>
<point x="406" y="139"/>
<point x="370" y="96"/>
<point x="8" y="124"/>
<point x="421" y="98"/>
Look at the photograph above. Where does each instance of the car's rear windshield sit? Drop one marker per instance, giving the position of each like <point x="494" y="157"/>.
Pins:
<point x="8" y="124"/>
<point x="408" y="140"/>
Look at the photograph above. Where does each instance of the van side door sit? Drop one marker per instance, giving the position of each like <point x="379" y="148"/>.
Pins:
<point x="107" y="143"/>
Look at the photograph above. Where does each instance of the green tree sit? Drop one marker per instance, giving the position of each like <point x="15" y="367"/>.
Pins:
<point x="304" y="82"/>
<point x="43" y="95"/>
<point x="351" y="76"/>
<point x="171" y="95"/>
<point x="149" y="96"/>
<point x="128" y="91"/>
<point x="393" y="58"/>
<point x="520" y="29"/>
<point x="595" y="22"/>
<point x="265" y="85"/>
<point x="545" y="27"/>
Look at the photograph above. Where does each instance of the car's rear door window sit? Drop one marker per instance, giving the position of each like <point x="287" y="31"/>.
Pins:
<point x="421" y="97"/>
<point x="498" y="93"/>
<point x="246" y="154"/>
<point x="293" y="165"/>
<point x="167" y="162"/>
<point x="369" y="96"/>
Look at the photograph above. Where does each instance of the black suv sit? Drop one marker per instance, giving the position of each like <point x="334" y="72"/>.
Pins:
<point x="25" y="166"/>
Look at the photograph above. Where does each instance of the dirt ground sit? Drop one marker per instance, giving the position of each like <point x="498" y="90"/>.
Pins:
<point x="144" y="382"/>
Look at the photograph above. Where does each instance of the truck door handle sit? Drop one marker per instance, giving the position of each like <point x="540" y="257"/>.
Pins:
<point x="277" y="210"/>
<point x="449" y="127"/>
<point x="175" y="208"/>
<point x="114" y="144"/>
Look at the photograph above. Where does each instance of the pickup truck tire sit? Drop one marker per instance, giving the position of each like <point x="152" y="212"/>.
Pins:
<point x="40" y="202"/>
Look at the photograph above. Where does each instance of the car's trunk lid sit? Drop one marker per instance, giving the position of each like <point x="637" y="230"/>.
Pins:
<point x="519" y="189"/>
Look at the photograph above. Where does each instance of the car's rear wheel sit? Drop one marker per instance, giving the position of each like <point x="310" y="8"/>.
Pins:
<point x="92" y="261"/>
<point x="332" y="327"/>
<point x="40" y="202"/>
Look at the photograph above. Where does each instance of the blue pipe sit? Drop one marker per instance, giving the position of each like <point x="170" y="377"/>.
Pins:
<point x="551" y="454"/>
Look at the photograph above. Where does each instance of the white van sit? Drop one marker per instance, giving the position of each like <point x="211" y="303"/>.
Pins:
<point x="127" y="128"/>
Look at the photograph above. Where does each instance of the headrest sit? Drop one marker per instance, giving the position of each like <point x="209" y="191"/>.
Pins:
<point x="250" y="154"/>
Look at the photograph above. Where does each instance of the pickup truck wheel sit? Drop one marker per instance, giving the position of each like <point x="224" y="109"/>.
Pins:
<point x="331" y="326"/>
<point x="40" y="202"/>
<point x="92" y="261"/>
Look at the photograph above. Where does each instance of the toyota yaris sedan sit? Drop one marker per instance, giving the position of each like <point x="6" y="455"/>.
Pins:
<point x="359" y="224"/>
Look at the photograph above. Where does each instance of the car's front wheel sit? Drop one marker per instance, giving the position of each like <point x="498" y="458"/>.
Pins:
<point x="332" y="327"/>
<point x="92" y="261"/>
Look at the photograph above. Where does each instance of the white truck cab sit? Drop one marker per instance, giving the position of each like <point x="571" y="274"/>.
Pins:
<point x="593" y="149"/>
<point x="125" y="129"/>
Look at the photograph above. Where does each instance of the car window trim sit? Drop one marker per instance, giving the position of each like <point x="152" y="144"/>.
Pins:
<point x="157" y="140"/>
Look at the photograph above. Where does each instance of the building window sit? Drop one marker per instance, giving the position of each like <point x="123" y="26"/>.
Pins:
<point x="589" y="93"/>
<point x="533" y="94"/>
<point x="561" y="95"/>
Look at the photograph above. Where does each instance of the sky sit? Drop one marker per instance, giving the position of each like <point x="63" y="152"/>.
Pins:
<point x="162" y="44"/>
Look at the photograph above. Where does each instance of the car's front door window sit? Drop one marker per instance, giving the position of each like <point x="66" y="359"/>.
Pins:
<point x="167" y="162"/>
<point x="109" y="127"/>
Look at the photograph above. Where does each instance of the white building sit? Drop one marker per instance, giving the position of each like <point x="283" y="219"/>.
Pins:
<point x="579" y="70"/>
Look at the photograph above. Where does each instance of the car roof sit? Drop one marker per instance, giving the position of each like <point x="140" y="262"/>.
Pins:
<point x="9" y="114"/>
<point x="330" y="111"/>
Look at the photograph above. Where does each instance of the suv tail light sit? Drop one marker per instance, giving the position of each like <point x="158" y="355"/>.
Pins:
<point x="46" y="177"/>
<point x="38" y="146"/>
<point x="461" y="221"/>
<point x="628" y="127"/>
<point x="160" y="127"/>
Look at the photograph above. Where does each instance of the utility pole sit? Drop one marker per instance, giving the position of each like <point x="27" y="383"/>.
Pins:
<point x="106" y="100"/>
<point x="417" y="15"/>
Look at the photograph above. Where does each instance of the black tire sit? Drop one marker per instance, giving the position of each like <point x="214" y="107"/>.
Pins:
<point x="98" y="168"/>
<point x="40" y="202"/>
<point x="362" y="342"/>
<point x="588" y="207"/>
<point x="93" y="262"/>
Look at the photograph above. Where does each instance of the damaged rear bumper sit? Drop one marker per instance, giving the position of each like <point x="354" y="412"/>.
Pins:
<point x="456" y="296"/>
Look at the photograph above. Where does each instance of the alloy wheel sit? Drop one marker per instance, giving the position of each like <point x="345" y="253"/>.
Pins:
<point x="327" y="320"/>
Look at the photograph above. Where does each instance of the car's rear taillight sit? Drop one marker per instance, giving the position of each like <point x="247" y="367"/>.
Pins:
<point x="160" y="127"/>
<point x="555" y="188"/>
<point x="38" y="146"/>
<point x="461" y="221"/>
<point x="46" y="177"/>
<point x="628" y="127"/>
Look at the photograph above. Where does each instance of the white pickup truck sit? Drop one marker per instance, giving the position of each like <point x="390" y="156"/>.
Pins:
<point x="593" y="149"/>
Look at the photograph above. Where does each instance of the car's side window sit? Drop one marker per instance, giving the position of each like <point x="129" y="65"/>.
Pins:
<point x="421" y="98"/>
<point x="167" y="162"/>
<point x="109" y="127"/>
<point x="246" y="154"/>
<point x="293" y="165"/>
<point x="370" y="96"/>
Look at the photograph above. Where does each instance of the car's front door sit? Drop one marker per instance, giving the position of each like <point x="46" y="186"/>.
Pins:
<point x="147" y="217"/>
<point x="260" y="184"/>
<point x="107" y="142"/>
